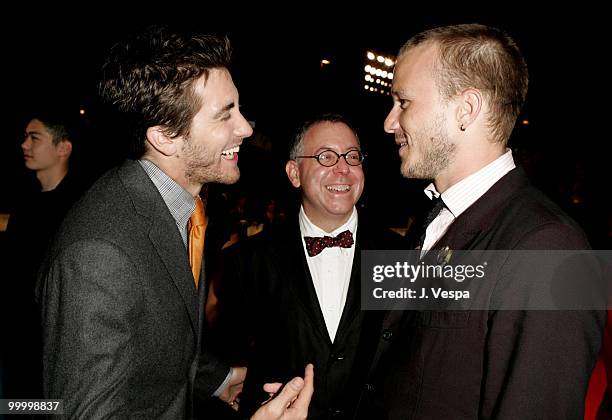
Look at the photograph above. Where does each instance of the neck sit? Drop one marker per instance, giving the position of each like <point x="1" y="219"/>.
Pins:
<point x="467" y="162"/>
<point x="326" y="223"/>
<point x="175" y="172"/>
<point x="50" y="178"/>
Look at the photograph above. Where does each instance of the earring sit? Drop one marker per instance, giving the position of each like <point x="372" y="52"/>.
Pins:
<point x="462" y="128"/>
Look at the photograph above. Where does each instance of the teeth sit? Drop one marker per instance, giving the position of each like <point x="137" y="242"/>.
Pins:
<point x="402" y="144"/>
<point x="338" y="188"/>
<point x="230" y="152"/>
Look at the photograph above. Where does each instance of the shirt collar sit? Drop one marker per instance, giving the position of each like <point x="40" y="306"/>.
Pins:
<point x="179" y="201"/>
<point x="465" y="192"/>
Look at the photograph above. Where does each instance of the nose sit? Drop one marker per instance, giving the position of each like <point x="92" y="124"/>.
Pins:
<point x="26" y="144"/>
<point x="342" y="167"/>
<point x="391" y="122"/>
<point x="243" y="128"/>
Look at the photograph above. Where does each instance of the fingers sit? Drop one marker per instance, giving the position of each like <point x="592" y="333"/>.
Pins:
<point x="292" y="401"/>
<point x="305" y="394"/>
<point x="238" y="375"/>
<point x="276" y="408"/>
<point x="234" y="387"/>
<point x="289" y="393"/>
<point x="234" y="405"/>
<point x="272" y="388"/>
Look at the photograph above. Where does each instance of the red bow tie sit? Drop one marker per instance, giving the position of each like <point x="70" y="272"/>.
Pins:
<point x="314" y="245"/>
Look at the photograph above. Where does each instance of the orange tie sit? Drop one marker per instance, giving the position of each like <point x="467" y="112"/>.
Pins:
<point x="197" y="229"/>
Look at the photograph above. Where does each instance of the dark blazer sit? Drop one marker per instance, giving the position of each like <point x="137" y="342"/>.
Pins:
<point x="121" y="315"/>
<point x="268" y="300"/>
<point x="506" y="364"/>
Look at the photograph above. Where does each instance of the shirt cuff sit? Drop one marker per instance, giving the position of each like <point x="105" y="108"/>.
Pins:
<point x="224" y="383"/>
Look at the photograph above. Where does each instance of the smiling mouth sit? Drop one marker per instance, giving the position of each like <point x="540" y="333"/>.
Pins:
<point x="338" y="188"/>
<point x="229" y="153"/>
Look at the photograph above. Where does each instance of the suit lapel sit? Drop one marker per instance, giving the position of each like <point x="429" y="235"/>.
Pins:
<point x="353" y="296"/>
<point x="172" y="252"/>
<point x="302" y="285"/>
<point x="465" y="230"/>
<point x="462" y="234"/>
<point x="163" y="234"/>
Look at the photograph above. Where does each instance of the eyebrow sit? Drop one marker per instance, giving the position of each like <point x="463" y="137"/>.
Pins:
<point x="324" y="148"/>
<point x="223" y="110"/>
<point x="399" y="92"/>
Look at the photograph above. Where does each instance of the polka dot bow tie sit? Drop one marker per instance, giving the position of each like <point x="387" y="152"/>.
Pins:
<point x="314" y="245"/>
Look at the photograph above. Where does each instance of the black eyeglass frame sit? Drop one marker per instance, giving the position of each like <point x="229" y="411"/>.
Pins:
<point x="338" y="156"/>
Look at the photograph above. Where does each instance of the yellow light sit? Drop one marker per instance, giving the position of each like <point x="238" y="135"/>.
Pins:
<point x="82" y="111"/>
<point x="390" y="76"/>
<point x="525" y="122"/>
<point x="367" y="68"/>
<point x="380" y="59"/>
<point x="325" y="61"/>
<point x="370" y="55"/>
<point x="388" y="62"/>
<point x="366" y="87"/>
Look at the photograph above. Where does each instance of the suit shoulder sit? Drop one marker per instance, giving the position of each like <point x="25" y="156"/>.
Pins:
<point x="375" y="236"/>
<point x="104" y="211"/>
<point x="531" y="212"/>
<point x="536" y="208"/>
<point x="266" y="241"/>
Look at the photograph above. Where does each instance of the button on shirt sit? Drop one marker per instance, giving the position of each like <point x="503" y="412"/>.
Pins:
<point x="330" y="270"/>
<point x="463" y="194"/>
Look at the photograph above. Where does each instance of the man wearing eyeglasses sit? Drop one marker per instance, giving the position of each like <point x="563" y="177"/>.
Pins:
<point x="293" y="293"/>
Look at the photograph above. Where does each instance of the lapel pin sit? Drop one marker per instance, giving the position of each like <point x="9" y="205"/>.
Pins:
<point x="444" y="255"/>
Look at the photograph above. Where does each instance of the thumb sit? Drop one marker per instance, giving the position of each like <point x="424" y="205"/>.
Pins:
<point x="296" y="385"/>
<point x="289" y="392"/>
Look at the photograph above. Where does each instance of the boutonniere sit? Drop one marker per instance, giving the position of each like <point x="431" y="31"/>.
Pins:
<point x="444" y="255"/>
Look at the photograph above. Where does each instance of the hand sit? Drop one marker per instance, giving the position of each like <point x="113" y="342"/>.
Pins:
<point x="293" y="400"/>
<point x="234" y="387"/>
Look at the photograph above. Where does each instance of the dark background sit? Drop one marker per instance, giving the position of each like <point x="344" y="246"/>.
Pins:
<point x="54" y="56"/>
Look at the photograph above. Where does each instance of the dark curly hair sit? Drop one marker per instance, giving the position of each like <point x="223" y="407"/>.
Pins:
<point x="150" y="78"/>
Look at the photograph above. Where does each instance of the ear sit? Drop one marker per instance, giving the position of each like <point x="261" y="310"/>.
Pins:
<point x="293" y="173"/>
<point x="160" y="141"/>
<point x="64" y="148"/>
<point x="470" y="106"/>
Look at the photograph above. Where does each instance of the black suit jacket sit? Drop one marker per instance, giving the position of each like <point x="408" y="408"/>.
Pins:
<point x="121" y="315"/>
<point x="505" y="364"/>
<point x="268" y="300"/>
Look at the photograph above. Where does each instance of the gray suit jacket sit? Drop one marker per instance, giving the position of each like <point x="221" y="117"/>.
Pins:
<point x="121" y="316"/>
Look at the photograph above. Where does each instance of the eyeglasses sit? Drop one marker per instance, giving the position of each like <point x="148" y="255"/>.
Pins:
<point x="330" y="158"/>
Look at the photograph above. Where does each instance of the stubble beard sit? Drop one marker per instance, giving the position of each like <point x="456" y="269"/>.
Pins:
<point x="201" y="167"/>
<point x="437" y="152"/>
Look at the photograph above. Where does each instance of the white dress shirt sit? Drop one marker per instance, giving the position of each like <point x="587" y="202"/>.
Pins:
<point x="463" y="194"/>
<point x="330" y="270"/>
